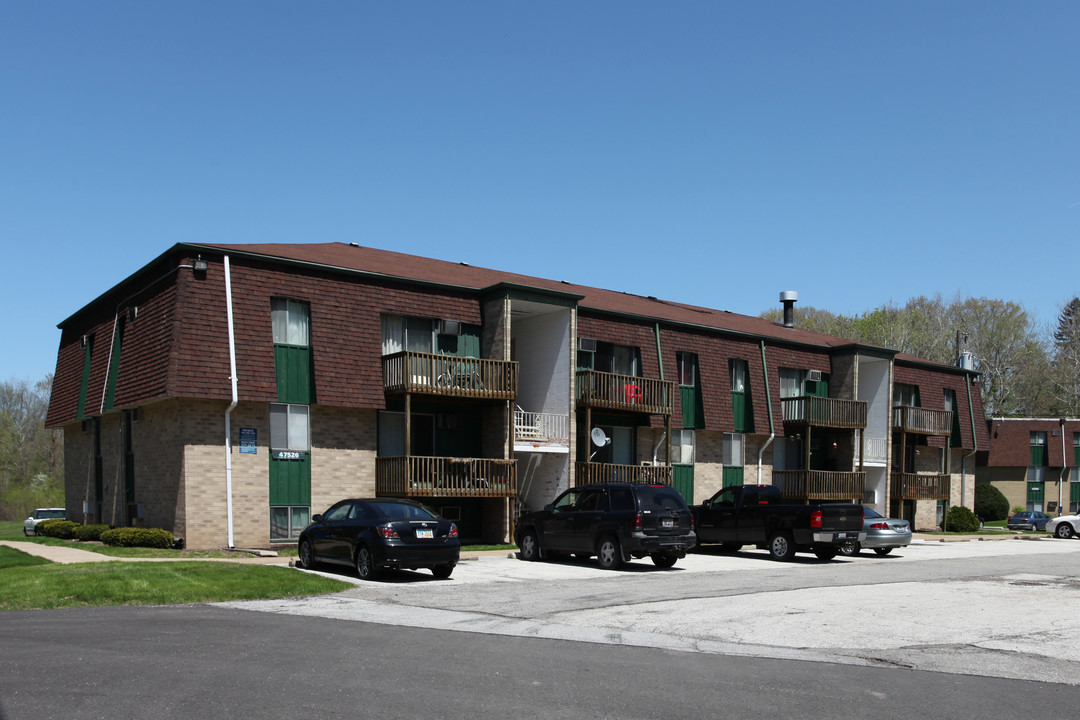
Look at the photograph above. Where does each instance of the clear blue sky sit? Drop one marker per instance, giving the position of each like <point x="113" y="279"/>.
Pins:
<point x="714" y="153"/>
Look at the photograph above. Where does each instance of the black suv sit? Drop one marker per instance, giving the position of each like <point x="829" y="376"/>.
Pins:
<point x="613" y="521"/>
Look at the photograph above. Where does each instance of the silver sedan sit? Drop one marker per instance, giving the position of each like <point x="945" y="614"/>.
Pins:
<point x="882" y="534"/>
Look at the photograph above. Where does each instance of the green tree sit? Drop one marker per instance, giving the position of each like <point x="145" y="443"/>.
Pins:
<point x="1066" y="360"/>
<point x="990" y="503"/>
<point x="31" y="456"/>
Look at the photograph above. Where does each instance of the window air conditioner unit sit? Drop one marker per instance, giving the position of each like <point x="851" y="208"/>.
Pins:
<point x="586" y="344"/>
<point x="449" y="327"/>
<point x="869" y="497"/>
<point x="813" y="375"/>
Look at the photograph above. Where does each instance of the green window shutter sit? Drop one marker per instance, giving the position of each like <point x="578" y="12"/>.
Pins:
<point x="295" y="379"/>
<point x="114" y="364"/>
<point x="682" y="479"/>
<point x="1039" y="456"/>
<point x="1074" y="492"/>
<point x="1035" y="492"/>
<point x="290" y="481"/>
<point x="733" y="476"/>
<point x="85" y="384"/>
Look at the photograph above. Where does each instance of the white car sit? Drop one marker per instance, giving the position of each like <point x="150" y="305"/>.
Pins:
<point x="30" y="524"/>
<point x="1065" y="526"/>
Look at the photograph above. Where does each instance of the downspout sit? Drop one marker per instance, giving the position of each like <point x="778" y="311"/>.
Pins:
<point x="768" y="404"/>
<point x="667" y="423"/>
<point x="1064" y="466"/>
<point x="974" y="442"/>
<point x="232" y="405"/>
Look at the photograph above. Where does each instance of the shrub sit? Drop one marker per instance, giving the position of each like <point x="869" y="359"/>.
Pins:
<point x="961" y="519"/>
<point x="138" y="537"/>
<point x="990" y="503"/>
<point x="90" y="532"/>
<point x="63" y="529"/>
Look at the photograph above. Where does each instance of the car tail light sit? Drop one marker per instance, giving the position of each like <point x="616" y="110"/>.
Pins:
<point x="387" y="531"/>
<point x="453" y="530"/>
<point x="815" y="519"/>
<point x="880" y="526"/>
<point x="637" y="521"/>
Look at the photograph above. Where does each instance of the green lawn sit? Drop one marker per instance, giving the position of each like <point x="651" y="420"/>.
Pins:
<point x="32" y="583"/>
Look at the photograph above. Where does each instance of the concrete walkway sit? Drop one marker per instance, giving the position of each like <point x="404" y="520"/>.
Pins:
<point x="66" y="555"/>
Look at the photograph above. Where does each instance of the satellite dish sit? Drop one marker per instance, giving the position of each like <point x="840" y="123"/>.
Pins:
<point x="599" y="439"/>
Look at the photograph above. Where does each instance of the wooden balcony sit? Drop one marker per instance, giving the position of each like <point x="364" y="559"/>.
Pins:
<point x="820" y="484"/>
<point x="909" y="486"/>
<point x="922" y="421"/>
<point x="449" y="376"/>
<point x="415" y="476"/>
<point x="541" y="430"/>
<point x="611" y="391"/>
<point x="587" y="473"/>
<point x="824" y="412"/>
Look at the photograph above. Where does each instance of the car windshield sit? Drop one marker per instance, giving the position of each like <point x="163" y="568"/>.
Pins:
<point x="660" y="498"/>
<point x="394" y="511"/>
<point x="40" y="514"/>
<point x="871" y="513"/>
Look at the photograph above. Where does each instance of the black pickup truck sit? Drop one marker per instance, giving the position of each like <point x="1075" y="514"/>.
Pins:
<point x="754" y="515"/>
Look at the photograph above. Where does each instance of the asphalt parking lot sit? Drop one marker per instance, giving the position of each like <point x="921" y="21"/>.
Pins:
<point x="1002" y="608"/>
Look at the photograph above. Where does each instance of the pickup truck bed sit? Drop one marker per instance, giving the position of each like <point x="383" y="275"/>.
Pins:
<point x="754" y="515"/>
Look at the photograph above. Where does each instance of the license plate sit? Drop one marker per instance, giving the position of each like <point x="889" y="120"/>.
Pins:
<point x="667" y="523"/>
<point x="841" y="536"/>
<point x="425" y="534"/>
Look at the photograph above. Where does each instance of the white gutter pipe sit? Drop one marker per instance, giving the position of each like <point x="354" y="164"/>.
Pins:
<point x="768" y="403"/>
<point x="232" y="405"/>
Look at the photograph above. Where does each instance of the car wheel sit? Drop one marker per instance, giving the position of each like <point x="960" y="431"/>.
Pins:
<point x="306" y="555"/>
<point x="664" y="560"/>
<point x="782" y="546"/>
<point x="365" y="564"/>
<point x="883" y="551"/>
<point x="827" y="553"/>
<point x="529" y="546"/>
<point x="850" y="549"/>
<point x="27" y="532"/>
<point x="1064" y="531"/>
<point x="609" y="553"/>
<point x="442" y="571"/>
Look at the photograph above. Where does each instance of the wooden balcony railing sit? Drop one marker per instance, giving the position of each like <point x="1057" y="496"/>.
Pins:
<point x="824" y="412"/>
<point x="586" y="473"/>
<point x="417" y="476"/>
<point x="612" y="391"/>
<point x="431" y="374"/>
<point x="909" y="486"/>
<point x="820" y="484"/>
<point x="922" y="421"/>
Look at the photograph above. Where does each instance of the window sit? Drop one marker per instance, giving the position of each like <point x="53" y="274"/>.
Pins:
<point x="791" y="382"/>
<point x="287" y="522"/>
<point x="732" y="453"/>
<point x="739" y="371"/>
<point x="687" y="369"/>
<point x="682" y="447"/>
<point x="905" y="395"/>
<point x="407" y="333"/>
<point x="289" y="427"/>
<point x="291" y="321"/>
<point x="608" y="357"/>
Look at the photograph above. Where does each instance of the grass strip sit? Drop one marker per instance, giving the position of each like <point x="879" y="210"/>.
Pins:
<point x="120" y="583"/>
<point x="10" y="557"/>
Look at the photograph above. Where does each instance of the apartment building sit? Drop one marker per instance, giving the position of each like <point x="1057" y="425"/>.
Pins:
<point x="1034" y="462"/>
<point x="228" y="392"/>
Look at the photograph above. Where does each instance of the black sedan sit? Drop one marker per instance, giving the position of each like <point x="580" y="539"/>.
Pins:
<point x="376" y="533"/>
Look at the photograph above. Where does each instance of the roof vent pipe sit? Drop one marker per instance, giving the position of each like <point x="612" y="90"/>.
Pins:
<point x="789" y="298"/>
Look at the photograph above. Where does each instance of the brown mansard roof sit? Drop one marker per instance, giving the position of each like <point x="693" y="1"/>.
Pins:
<point x="397" y="265"/>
